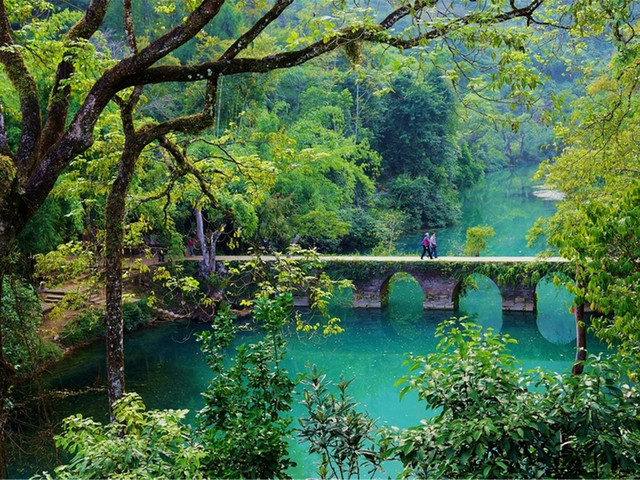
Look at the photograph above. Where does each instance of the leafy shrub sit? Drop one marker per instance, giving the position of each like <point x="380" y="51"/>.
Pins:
<point x="477" y="238"/>
<point x="135" y="314"/>
<point x="140" y="443"/>
<point x="495" y="421"/>
<point x="89" y="324"/>
<point x="244" y="423"/>
<point x="343" y="436"/>
<point x="22" y="315"/>
<point x="489" y="418"/>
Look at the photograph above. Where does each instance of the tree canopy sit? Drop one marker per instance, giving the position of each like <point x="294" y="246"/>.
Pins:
<point x="596" y="226"/>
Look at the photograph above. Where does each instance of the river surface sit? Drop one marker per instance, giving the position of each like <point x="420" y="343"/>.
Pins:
<point x="165" y="366"/>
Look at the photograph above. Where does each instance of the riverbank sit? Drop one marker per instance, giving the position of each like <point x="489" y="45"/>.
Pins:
<point x="82" y="303"/>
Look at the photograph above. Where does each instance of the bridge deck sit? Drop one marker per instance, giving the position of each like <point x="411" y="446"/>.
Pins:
<point x="401" y="259"/>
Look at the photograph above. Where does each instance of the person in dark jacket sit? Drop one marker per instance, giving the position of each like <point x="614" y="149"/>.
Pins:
<point x="434" y="245"/>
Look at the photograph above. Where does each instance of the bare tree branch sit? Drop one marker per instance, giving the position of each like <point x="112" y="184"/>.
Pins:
<point x="186" y="166"/>
<point x="129" y="29"/>
<point x="173" y="39"/>
<point x="241" y="43"/>
<point x="400" y="13"/>
<point x="132" y="42"/>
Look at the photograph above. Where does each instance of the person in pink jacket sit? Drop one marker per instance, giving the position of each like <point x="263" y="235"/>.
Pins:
<point x="426" y="246"/>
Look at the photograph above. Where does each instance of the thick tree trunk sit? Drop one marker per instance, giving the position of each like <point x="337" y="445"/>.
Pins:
<point x="7" y="370"/>
<point x="114" y="246"/>
<point x="205" y="265"/>
<point x="208" y="245"/>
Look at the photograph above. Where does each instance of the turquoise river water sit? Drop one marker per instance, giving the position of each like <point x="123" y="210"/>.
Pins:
<point x="165" y="366"/>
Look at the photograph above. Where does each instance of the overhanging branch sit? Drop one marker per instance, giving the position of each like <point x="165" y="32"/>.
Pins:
<point x="60" y="98"/>
<point x="228" y="64"/>
<point x="242" y="42"/>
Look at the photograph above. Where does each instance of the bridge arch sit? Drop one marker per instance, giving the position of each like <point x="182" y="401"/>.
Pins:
<point x="385" y="288"/>
<point x="481" y="301"/>
<point x="473" y="282"/>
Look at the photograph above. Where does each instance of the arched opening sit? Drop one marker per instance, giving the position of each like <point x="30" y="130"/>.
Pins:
<point x="341" y="302"/>
<point x="555" y="320"/>
<point x="401" y="289"/>
<point x="479" y="298"/>
<point x="402" y="299"/>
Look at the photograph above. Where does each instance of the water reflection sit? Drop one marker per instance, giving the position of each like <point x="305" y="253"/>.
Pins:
<point x="555" y="320"/>
<point x="482" y="302"/>
<point x="405" y="309"/>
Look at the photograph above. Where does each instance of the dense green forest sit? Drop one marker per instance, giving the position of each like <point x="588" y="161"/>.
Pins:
<point x="336" y="126"/>
<point x="347" y="145"/>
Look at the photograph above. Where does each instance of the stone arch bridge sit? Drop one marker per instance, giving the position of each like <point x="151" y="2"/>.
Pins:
<point x="442" y="279"/>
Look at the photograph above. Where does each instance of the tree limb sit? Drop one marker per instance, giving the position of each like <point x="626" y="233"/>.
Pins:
<point x="469" y="19"/>
<point x="230" y="65"/>
<point x="127" y="20"/>
<point x="400" y="13"/>
<point x="242" y="42"/>
<point x="186" y="166"/>
<point x="60" y="99"/>
<point x="25" y="86"/>
<point x="173" y="39"/>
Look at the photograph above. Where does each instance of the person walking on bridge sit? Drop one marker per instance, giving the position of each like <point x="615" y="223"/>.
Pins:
<point x="426" y="246"/>
<point x="434" y="245"/>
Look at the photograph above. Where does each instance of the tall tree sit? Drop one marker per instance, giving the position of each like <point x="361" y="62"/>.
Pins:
<point x="596" y="225"/>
